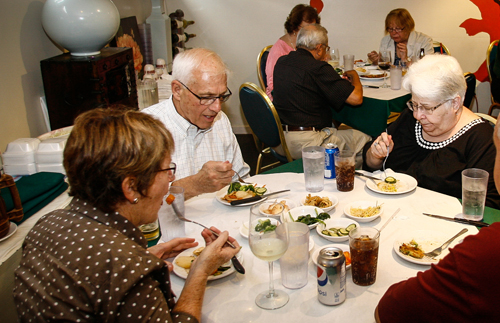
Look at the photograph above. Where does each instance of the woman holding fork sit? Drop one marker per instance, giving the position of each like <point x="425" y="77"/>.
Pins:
<point x="436" y="137"/>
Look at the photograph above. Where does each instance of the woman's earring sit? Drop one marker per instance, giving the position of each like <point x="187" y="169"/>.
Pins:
<point x="135" y="201"/>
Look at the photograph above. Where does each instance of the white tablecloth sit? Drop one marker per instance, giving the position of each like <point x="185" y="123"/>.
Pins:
<point x="231" y="299"/>
<point x="381" y="93"/>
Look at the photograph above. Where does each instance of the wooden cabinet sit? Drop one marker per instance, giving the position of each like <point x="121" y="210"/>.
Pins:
<point x="75" y="84"/>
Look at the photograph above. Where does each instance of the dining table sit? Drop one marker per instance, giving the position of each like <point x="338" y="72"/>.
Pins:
<point x="378" y="103"/>
<point x="232" y="298"/>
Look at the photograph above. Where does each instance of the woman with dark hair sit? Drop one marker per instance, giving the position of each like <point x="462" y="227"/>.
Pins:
<point x="90" y="262"/>
<point x="401" y="38"/>
<point x="300" y="16"/>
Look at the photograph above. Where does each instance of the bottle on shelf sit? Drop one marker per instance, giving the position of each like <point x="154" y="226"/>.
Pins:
<point x="421" y="54"/>
<point x="149" y="72"/>
<point x="177" y="38"/>
<point x="161" y="67"/>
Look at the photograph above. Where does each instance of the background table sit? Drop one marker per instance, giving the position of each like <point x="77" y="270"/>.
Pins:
<point x="371" y="116"/>
<point x="232" y="298"/>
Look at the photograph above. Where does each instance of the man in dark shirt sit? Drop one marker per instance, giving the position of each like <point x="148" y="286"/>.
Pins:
<point x="306" y="88"/>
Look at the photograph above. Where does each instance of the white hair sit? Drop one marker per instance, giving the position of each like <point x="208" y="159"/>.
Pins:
<point x="187" y="62"/>
<point x="437" y="78"/>
<point x="312" y="35"/>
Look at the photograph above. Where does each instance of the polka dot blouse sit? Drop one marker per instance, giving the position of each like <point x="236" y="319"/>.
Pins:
<point x="82" y="265"/>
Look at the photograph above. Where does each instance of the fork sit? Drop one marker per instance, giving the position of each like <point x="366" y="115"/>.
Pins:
<point x="239" y="178"/>
<point x="386" y="156"/>
<point x="236" y="263"/>
<point x="436" y="252"/>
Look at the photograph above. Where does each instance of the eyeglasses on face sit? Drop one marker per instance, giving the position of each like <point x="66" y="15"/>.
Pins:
<point x="208" y="100"/>
<point x="327" y="48"/>
<point x="395" y="30"/>
<point x="172" y="167"/>
<point x="428" y="111"/>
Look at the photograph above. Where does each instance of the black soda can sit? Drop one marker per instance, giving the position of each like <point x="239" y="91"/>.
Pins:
<point x="330" y="151"/>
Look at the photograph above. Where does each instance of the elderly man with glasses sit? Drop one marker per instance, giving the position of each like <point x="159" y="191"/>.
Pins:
<point x="436" y="137"/>
<point x="307" y="88"/>
<point x="402" y="39"/>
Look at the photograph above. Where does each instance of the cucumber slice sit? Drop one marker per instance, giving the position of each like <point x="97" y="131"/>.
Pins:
<point x="260" y="190"/>
<point x="350" y="227"/>
<point x="390" y="180"/>
<point x="343" y="232"/>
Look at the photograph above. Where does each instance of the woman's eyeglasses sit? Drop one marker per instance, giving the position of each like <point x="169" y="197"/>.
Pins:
<point x="395" y="30"/>
<point x="172" y="167"/>
<point x="428" y="111"/>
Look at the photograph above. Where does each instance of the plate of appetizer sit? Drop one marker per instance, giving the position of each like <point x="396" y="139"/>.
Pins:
<point x="276" y="207"/>
<point x="344" y="248"/>
<point x="373" y="75"/>
<point x="336" y="230"/>
<point x="364" y="211"/>
<point x="309" y="215"/>
<point x="395" y="183"/>
<point x="238" y="191"/>
<point x="411" y="246"/>
<point x="182" y="264"/>
<point x="326" y="202"/>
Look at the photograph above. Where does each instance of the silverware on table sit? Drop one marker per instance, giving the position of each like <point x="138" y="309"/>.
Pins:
<point x="436" y="252"/>
<point x="255" y="198"/>
<point x="459" y="220"/>
<point x="390" y="219"/>
<point x="367" y="176"/>
<point x="239" y="178"/>
<point x="386" y="156"/>
<point x="372" y="86"/>
<point x="236" y="263"/>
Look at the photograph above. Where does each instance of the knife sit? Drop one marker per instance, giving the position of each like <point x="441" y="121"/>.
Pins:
<point x="464" y="221"/>
<point x="372" y="86"/>
<point x="370" y="177"/>
<point x="255" y="198"/>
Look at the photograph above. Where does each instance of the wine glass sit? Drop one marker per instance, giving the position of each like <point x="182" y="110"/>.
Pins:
<point x="384" y="63"/>
<point x="334" y="57"/>
<point x="268" y="245"/>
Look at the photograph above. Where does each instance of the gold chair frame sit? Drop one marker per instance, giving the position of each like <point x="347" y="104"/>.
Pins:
<point x="439" y="44"/>
<point x="259" y="73"/>
<point x="494" y="105"/>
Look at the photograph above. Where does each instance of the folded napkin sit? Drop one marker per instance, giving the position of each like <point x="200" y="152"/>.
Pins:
<point x="36" y="191"/>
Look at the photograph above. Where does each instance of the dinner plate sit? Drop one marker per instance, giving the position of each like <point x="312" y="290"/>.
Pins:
<point x="377" y="76"/>
<point x="406" y="183"/>
<point x="265" y="206"/>
<point x="332" y="198"/>
<point x="183" y="273"/>
<point x="335" y="223"/>
<point x="363" y="205"/>
<point x="301" y="210"/>
<point x="223" y="191"/>
<point x="428" y="241"/>
<point x="342" y="247"/>
<point x="12" y="230"/>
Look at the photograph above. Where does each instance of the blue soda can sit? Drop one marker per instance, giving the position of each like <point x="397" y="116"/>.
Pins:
<point x="331" y="276"/>
<point x="330" y="151"/>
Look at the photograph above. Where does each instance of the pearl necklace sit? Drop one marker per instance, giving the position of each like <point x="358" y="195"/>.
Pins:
<point x="438" y="145"/>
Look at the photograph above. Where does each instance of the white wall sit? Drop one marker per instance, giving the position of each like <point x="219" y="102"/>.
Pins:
<point x="237" y="30"/>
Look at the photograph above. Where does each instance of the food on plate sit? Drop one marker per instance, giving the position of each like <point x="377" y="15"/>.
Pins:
<point x="360" y="69"/>
<point x="390" y="180"/>
<point x="317" y="201"/>
<point x="265" y="226"/>
<point x="365" y="212"/>
<point x="236" y="191"/>
<point x="339" y="71"/>
<point x="359" y="61"/>
<point x="308" y="219"/>
<point x="373" y="76"/>
<point x="186" y="262"/>
<point x="339" y="232"/>
<point x="386" y="187"/>
<point x="347" y="255"/>
<point x="412" y="249"/>
<point x="277" y="208"/>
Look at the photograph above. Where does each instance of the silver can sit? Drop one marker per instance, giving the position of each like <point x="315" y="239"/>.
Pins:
<point x="331" y="276"/>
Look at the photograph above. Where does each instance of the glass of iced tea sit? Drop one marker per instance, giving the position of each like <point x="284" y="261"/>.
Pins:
<point x="344" y="169"/>
<point x="363" y="244"/>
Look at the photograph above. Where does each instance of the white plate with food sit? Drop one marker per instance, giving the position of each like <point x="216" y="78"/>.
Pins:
<point x="344" y="248"/>
<point x="310" y="212"/>
<point x="373" y="75"/>
<point x="364" y="211"/>
<point x="404" y="184"/>
<point x="274" y="208"/>
<point x="361" y="70"/>
<point x="222" y="196"/>
<point x="184" y="259"/>
<point x="422" y="241"/>
<point x="12" y="230"/>
<point x="326" y="202"/>
<point x="338" y="229"/>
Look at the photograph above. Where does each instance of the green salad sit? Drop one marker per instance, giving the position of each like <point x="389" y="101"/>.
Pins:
<point x="237" y="186"/>
<point x="308" y="219"/>
<point x="265" y="226"/>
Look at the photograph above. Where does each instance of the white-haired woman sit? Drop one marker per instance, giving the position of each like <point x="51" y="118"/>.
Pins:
<point x="436" y="137"/>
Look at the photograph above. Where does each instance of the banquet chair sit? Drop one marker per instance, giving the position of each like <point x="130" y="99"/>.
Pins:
<point x="261" y="66"/>
<point x="487" y="117"/>
<point x="265" y="123"/>
<point x="440" y="48"/>
<point x="490" y="62"/>
<point x="470" y="92"/>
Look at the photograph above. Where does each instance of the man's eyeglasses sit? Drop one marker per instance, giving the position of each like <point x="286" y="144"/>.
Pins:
<point x="208" y="100"/>
<point x="327" y="48"/>
<point x="428" y="111"/>
<point x="172" y="167"/>
<point x="395" y="30"/>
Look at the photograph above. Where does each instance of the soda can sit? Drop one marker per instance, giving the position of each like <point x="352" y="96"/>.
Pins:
<point x="331" y="276"/>
<point x="330" y="151"/>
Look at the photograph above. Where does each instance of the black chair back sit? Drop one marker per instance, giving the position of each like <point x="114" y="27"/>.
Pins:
<point x="470" y="93"/>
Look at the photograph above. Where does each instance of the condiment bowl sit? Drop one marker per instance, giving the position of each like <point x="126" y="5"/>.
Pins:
<point x="363" y="205"/>
<point x="265" y="206"/>
<point x="332" y="198"/>
<point x="301" y="210"/>
<point x="335" y="223"/>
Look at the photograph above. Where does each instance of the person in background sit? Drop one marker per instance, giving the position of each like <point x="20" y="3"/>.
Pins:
<point x="207" y="152"/>
<point x="306" y="89"/>
<point x="462" y="287"/>
<point x="90" y="262"/>
<point x="495" y="78"/>
<point x="300" y="16"/>
<point x="436" y="138"/>
<point x="402" y="39"/>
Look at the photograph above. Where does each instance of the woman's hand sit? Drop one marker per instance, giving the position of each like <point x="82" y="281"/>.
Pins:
<point x="378" y="150"/>
<point x="402" y="51"/>
<point x="171" y="249"/>
<point x="373" y="57"/>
